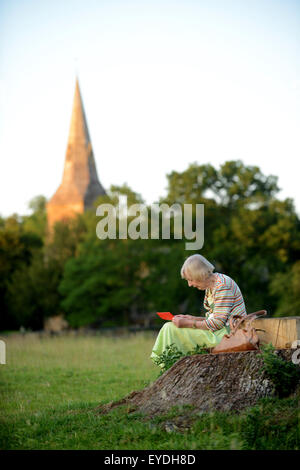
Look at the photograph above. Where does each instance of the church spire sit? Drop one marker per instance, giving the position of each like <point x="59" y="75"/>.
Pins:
<point x="80" y="184"/>
<point x="78" y="129"/>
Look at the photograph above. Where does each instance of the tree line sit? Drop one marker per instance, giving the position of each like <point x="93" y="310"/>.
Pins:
<point x="249" y="234"/>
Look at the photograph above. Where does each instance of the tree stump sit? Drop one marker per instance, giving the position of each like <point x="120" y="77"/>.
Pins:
<point x="226" y="381"/>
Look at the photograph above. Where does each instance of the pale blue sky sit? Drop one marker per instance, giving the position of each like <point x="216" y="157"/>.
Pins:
<point x="164" y="84"/>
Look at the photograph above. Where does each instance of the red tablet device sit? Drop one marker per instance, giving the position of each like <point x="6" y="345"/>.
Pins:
<point x="165" y="315"/>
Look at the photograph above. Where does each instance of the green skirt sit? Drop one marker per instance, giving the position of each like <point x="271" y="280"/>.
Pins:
<point x="185" y="339"/>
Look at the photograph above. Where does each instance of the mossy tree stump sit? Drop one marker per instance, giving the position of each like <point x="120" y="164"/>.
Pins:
<point x="226" y="381"/>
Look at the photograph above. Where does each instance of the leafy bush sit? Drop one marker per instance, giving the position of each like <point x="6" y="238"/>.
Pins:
<point x="172" y="354"/>
<point x="284" y="375"/>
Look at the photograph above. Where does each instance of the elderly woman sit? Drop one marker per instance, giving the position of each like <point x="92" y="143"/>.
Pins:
<point x="223" y="299"/>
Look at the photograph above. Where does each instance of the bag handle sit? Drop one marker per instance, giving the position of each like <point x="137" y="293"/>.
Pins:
<point x="235" y="322"/>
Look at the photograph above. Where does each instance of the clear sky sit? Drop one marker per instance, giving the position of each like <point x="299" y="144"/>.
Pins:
<point x="164" y="84"/>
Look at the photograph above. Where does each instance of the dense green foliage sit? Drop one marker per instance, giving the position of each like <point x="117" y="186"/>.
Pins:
<point x="249" y="234"/>
<point x="284" y="375"/>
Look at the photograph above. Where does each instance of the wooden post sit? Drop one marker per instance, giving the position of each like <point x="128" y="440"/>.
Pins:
<point x="280" y="331"/>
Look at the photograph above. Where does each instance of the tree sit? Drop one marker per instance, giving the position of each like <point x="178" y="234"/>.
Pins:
<point x="285" y="287"/>
<point x="32" y="292"/>
<point x="16" y="250"/>
<point x="232" y="184"/>
<point x="65" y="239"/>
<point x="37" y="221"/>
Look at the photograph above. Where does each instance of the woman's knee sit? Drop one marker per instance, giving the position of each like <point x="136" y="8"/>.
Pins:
<point x="169" y="326"/>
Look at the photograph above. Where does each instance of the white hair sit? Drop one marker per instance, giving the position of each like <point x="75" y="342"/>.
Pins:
<point x="196" y="268"/>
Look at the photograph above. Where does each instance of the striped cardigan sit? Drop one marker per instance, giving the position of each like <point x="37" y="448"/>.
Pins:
<point x="226" y="300"/>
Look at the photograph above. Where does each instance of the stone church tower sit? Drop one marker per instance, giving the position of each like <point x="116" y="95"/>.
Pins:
<point x="80" y="185"/>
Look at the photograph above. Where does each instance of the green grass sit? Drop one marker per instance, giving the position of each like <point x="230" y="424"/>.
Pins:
<point x="50" y="387"/>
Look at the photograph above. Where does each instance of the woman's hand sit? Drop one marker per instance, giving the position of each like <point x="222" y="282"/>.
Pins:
<point x="190" y="317"/>
<point x="182" y="321"/>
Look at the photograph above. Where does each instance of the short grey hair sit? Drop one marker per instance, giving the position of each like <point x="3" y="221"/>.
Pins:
<point x="196" y="268"/>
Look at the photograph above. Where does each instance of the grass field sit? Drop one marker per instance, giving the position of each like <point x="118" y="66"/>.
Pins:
<point x="49" y="389"/>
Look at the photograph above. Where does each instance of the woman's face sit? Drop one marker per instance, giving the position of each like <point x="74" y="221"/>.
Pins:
<point x="198" y="284"/>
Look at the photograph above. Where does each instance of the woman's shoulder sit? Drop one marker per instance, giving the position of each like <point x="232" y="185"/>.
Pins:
<point x="224" y="281"/>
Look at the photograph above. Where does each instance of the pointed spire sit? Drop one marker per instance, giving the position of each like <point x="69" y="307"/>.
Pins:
<point x="79" y="133"/>
<point x="80" y="184"/>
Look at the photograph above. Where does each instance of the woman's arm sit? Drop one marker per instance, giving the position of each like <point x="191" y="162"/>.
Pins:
<point x="190" y="317"/>
<point x="181" y="321"/>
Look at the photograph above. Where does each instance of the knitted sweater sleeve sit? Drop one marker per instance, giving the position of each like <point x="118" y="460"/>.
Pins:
<point x="223" y="301"/>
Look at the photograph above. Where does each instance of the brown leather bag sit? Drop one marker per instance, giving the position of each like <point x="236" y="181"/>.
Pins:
<point x="240" y="339"/>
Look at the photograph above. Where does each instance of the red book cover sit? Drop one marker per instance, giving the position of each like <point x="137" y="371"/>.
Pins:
<point x="165" y="315"/>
